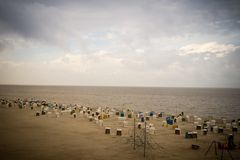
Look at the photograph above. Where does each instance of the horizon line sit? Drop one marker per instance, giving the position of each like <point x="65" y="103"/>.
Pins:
<point x="61" y="85"/>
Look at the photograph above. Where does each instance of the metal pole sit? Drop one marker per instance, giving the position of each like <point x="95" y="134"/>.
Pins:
<point x="145" y="138"/>
<point x="134" y="132"/>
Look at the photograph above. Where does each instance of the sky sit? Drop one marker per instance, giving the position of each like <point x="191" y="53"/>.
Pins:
<point x="162" y="43"/>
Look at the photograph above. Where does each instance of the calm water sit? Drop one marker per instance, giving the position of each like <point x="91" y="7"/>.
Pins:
<point x="201" y="102"/>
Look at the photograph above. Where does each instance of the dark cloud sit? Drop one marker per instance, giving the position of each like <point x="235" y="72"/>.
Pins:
<point x="27" y="20"/>
<point x="45" y="19"/>
<point x="5" y="45"/>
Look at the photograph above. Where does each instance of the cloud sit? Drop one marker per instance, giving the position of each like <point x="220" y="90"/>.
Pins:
<point x="210" y="48"/>
<point x="5" y="45"/>
<point x="104" y="68"/>
<point x="119" y="42"/>
<point x="11" y="44"/>
<point x="100" y="62"/>
<point x="139" y="50"/>
<point x="141" y="19"/>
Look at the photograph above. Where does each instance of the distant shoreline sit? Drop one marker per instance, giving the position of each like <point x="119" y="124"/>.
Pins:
<point x="36" y="85"/>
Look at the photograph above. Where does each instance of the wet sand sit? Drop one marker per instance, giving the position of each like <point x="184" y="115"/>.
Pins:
<point x="25" y="136"/>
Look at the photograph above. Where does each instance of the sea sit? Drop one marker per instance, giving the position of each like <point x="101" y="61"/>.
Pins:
<point x="203" y="102"/>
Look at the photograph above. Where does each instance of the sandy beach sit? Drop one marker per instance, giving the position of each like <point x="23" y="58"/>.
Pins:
<point x="25" y="136"/>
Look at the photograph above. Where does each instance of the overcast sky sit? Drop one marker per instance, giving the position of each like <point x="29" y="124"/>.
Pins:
<point x="164" y="43"/>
